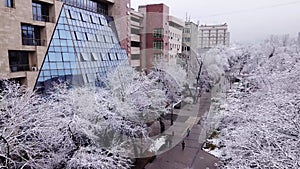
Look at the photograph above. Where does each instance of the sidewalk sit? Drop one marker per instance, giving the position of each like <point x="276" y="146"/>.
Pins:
<point x="193" y="157"/>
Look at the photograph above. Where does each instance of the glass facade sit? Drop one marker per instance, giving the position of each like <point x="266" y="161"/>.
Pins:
<point x="82" y="50"/>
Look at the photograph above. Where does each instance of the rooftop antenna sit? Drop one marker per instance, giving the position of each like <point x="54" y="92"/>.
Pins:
<point x="190" y="18"/>
<point x="186" y="17"/>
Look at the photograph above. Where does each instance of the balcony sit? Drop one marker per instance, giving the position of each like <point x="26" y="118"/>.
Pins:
<point x="135" y="63"/>
<point x="47" y="1"/>
<point x="19" y="67"/>
<point x="135" y="50"/>
<point x="134" y="23"/>
<point x="135" y="38"/>
<point x="33" y="42"/>
<point x="43" y="18"/>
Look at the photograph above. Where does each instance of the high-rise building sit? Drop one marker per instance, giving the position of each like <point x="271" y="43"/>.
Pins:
<point x="189" y="49"/>
<point x="190" y="39"/>
<point x="46" y="40"/>
<point x="213" y="35"/>
<point x="155" y="34"/>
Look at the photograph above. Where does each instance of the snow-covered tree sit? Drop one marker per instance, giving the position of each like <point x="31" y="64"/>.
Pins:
<point x="136" y="96"/>
<point x="67" y="128"/>
<point x="32" y="130"/>
<point x="260" y="126"/>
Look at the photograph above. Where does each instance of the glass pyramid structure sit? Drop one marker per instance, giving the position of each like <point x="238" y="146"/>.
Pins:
<point x="84" y="47"/>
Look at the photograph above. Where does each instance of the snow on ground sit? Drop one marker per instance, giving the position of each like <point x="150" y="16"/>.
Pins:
<point x="157" y="144"/>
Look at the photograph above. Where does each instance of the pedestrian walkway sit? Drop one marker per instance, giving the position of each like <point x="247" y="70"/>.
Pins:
<point x="192" y="157"/>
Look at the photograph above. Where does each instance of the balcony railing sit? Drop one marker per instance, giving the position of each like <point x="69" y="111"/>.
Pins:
<point x="19" y="67"/>
<point x="95" y="7"/>
<point x="43" y="18"/>
<point x="33" y="42"/>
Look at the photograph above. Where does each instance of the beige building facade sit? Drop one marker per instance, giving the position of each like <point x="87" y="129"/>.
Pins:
<point x="27" y="28"/>
<point x="17" y="18"/>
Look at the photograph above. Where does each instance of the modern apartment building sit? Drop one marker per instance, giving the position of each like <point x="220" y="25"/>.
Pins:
<point x="213" y="35"/>
<point x="42" y="41"/>
<point x="136" y="20"/>
<point x="189" y="49"/>
<point x="175" y="38"/>
<point x="154" y="35"/>
<point x="190" y="39"/>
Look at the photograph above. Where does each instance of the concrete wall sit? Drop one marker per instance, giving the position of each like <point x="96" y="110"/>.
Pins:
<point x="120" y="10"/>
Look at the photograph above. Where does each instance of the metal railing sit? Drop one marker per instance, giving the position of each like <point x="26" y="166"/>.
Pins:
<point x="34" y="42"/>
<point x="43" y="18"/>
<point x="19" y="67"/>
<point x="85" y="6"/>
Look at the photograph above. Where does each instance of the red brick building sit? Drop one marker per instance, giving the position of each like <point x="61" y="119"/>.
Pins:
<point x="154" y="35"/>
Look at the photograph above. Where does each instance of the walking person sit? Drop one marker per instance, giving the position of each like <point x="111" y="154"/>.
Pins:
<point x="188" y="132"/>
<point x="182" y="145"/>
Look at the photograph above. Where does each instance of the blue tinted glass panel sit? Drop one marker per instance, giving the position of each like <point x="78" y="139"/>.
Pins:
<point x="83" y="49"/>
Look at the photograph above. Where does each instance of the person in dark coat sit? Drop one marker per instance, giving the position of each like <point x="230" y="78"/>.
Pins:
<point x="182" y="145"/>
<point x="188" y="132"/>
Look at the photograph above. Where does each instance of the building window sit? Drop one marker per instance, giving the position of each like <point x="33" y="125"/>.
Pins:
<point x="158" y="44"/>
<point x="187" y="39"/>
<point x="18" y="61"/>
<point x="135" y="44"/>
<point x="94" y="19"/>
<point x="112" y="39"/>
<point x="9" y="3"/>
<point x="84" y="17"/>
<point x="187" y="30"/>
<point x="78" y="36"/>
<point x="135" y="19"/>
<point x="158" y="33"/>
<point x="158" y="57"/>
<point x="40" y="12"/>
<point x="31" y="35"/>
<point x="135" y="31"/>
<point x="105" y="40"/>
<point x="135" y="57"/>
<point x="73" y="14"/>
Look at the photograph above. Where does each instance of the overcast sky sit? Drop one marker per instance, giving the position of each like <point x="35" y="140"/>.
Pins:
<point x="249" y="21"/>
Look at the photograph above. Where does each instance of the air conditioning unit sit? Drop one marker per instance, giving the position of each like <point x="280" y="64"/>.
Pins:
<point x="34" y="68"/>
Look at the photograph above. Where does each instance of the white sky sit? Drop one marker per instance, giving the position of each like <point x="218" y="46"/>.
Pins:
<point x="249" y="21"/>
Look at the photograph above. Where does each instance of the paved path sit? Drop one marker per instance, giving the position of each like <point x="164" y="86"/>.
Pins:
<point x="192" y="157"/>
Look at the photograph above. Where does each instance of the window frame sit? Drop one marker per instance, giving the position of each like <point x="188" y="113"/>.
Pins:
<point x="10" y="3"/>
<point x="158" y="33"/>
